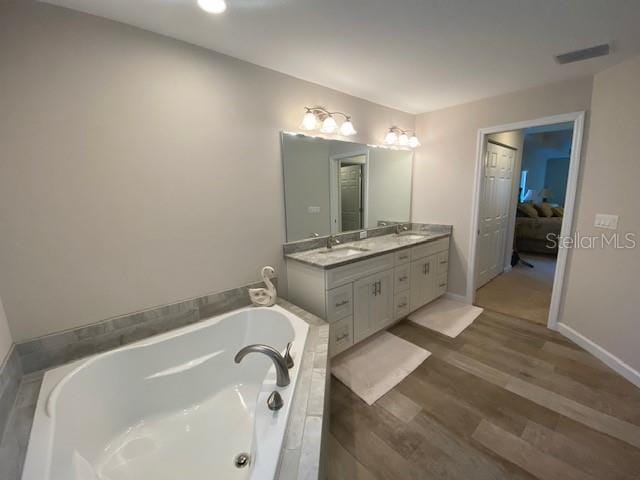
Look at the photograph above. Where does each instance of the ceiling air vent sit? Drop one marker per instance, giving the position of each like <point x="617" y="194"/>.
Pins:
<point x="584" y="54"/>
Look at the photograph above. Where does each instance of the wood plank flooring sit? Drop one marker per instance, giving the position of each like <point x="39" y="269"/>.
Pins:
<point x="507" y="399"/>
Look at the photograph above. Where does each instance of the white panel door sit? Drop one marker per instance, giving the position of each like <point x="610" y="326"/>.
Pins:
<point x="495" y="200"/>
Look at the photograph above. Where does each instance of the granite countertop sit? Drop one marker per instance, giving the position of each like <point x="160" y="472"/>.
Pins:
<point x="373" y="247"/>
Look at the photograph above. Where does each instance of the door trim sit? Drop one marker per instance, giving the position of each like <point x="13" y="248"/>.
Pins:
<point x="569" y="210"/>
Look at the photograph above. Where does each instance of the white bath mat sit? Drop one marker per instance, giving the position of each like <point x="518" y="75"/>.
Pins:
<point x="446" y="316"/>
<point x="377" y="365"/>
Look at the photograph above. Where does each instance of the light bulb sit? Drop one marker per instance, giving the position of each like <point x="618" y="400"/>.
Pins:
<point x="329" y="125"/>
<point x="347" y="129"/>
<point x="212" y="6"/>
<point x="391" y="138"/>
<point x="403" y="139"/>
<point x="414" y="142"/>
<point x="309" y="121"/>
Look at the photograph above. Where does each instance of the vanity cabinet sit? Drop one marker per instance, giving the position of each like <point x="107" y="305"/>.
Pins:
<point x="372" y="304"/>
<point x="368" y="295"/>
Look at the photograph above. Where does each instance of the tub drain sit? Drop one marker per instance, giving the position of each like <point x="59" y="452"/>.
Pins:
<point x="242" y="460"/>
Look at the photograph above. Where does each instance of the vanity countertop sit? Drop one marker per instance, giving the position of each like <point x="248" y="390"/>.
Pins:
<point x="372" y="247"/>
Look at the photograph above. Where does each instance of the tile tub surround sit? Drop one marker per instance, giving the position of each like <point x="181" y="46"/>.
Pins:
<point x="302" y="451"/>
<point x="10" y="374"/>
<point x="13" y="445"/>
<point x="60" y="348"/>
<point x="376" y="245"/>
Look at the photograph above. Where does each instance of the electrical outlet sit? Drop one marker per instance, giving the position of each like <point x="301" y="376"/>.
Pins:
<point x="606" y="221"/>
<point x="363" y="234"/>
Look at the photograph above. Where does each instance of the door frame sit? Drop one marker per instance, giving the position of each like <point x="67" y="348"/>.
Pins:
<point x="577" y="118"/>
<point x="334" y="187"/>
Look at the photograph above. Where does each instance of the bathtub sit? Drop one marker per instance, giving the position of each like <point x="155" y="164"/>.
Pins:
<point x="174" y="406"/>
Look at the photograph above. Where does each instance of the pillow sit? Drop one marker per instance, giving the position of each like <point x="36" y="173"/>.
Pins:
<point x="558" y="211"/>
<point x="528" y="210"/>
<point x="544" y="209"/>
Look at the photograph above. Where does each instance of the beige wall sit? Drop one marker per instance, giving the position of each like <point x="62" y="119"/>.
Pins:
<point x="137" y="170"/>
<point x="602" y="299"/>
<point x="444" y="167"/>
<point x="5" y="335"/>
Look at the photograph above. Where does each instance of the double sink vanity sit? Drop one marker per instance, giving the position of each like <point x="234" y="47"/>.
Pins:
<point x="364" y="286"/>
<point x="352" y="255"/>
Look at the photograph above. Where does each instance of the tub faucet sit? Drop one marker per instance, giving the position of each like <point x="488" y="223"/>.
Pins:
<point x="282" y="372"/>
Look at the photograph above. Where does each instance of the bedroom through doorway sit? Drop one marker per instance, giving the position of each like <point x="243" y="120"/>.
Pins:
<point x="521" y="210"/>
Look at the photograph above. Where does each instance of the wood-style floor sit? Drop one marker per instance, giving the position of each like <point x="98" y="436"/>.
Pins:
<point x="507" y="399"/>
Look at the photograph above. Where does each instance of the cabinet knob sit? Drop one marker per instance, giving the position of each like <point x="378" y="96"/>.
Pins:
<point x="342" y="303"/>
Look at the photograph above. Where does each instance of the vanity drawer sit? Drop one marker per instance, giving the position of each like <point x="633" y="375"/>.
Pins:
<point x="441" y="284"/>
<point x="430" y="248"/>
<point x="401" y="305"/>
<point x="340" y="335"/>
<point x="354" y="271"/>
<point x="443" y="262"/>
<point x="339" y="302"/>
<point x="401" y="277"/>
<point x="402" y="257"/>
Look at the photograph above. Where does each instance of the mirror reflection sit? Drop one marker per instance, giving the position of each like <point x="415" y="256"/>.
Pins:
<point x="333" y="186"/>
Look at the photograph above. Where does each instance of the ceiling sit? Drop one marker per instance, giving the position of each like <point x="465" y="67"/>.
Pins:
<point x="414" y="55"/>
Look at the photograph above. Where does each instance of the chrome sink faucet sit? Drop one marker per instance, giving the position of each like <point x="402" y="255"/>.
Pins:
<point x="282" y="371"/>
<point x="401" y="228"/>
<point x="331" y="241"/>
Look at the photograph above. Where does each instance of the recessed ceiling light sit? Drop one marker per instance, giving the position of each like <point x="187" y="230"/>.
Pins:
<point x="212" y="6"/>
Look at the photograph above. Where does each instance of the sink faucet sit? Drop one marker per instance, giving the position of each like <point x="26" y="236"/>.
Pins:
<point x="282" y="372"/>
<point x="401" y="228"/>
<point x="331" y="241"/>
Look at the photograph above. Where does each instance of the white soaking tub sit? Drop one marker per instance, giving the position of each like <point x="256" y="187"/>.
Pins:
<point x="172" y="407"/>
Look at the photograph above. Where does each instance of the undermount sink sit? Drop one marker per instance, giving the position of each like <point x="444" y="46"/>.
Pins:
<point x="411" y="235"/>
<point x="344" y="251"/>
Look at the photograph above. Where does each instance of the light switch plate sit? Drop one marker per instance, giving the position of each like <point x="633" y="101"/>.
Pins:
<point x="313" y="209"/>
<point x="606" y="221"/>
<point x="363" y="234"/>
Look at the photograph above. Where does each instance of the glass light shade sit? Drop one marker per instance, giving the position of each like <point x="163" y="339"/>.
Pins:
<point x="403" y="139"/>
<point x="329" y="125"/>
<point x="391" y="138"/>
<point x="212" y="6"/>
<point x="414" y="142"/>
<point x="309" y="121"/>
<point x="347" y="129"/>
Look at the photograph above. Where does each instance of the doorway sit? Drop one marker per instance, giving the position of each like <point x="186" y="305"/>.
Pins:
<point x="503" y="187"/>
<point x="348" y="184"/>
<point x="351" y="196"/>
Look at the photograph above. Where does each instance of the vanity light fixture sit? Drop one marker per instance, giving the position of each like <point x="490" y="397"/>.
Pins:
<point x="315" y="117"/>
<point x="400" y="137"/>
<point x="212" y="6"/>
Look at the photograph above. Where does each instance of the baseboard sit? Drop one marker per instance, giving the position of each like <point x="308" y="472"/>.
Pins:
<point x="600" y="353"/>
<point x="455" y="297"/>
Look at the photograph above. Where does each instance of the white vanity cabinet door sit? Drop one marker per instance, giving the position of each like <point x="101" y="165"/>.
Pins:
<point x="372" y="304"/>
<point x="340" y="335"/>
<point x="422" y="283"/>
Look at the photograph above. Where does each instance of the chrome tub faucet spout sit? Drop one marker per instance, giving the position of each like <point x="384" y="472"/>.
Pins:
<point x="282" y="371"/>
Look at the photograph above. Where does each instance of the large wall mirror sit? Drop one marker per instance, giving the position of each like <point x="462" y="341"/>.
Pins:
<point x="332" y="186"/>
